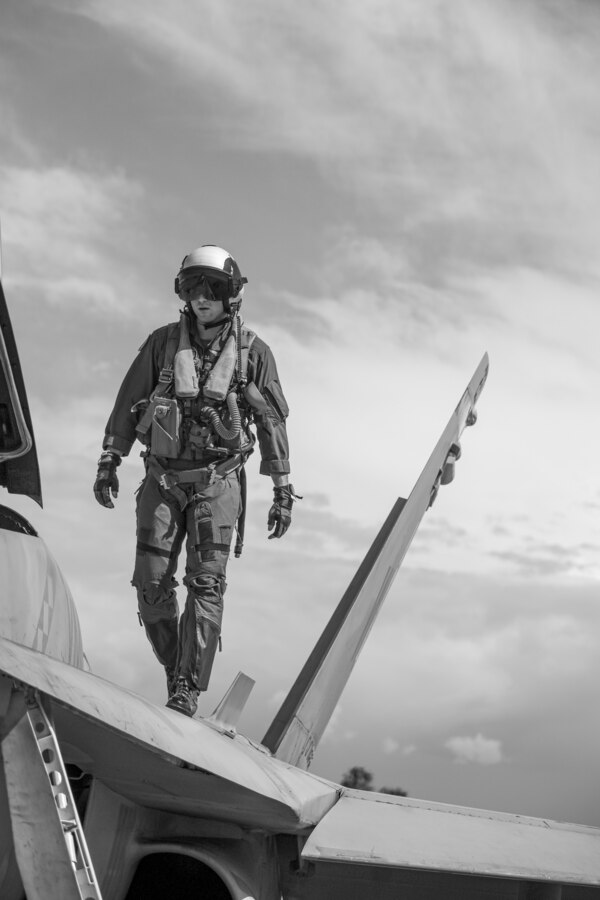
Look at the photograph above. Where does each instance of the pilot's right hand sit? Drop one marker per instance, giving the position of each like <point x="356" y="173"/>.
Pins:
<point x="106" y="479"/>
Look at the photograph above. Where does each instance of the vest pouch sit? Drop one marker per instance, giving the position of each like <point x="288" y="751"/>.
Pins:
<point x="166" y="422"/>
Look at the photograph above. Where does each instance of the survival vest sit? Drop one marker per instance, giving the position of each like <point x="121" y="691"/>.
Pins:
<point x="191" y="411"/>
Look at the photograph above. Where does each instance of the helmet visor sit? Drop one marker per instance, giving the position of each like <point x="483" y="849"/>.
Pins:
<point x="216" y="286"/>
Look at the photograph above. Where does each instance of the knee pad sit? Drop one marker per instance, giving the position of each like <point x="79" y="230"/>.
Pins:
<point x="206" y="583"/>
<point x="156" y="602"/>
<point x="204" y="604"/>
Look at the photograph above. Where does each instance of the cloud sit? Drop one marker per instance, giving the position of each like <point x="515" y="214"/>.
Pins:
<point x="479" y="749"/>
<point x="545" y="560"/>
<point x="440" y="532"/>
<point x="321" y="533"/>
<point x="300" y="316"/>
<point x="473" y="650"/>
<point x="62" y="228"/>
<point x="332" y="731"/>
<point x="357" y="278"/>
<point x="457" y="123"/>
<point x="390" y="745"/>
<point x="276" y="700"/>
<point x="381" y="274"/>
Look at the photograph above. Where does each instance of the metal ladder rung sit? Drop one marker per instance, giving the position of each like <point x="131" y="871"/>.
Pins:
<point x="58" y="781"/>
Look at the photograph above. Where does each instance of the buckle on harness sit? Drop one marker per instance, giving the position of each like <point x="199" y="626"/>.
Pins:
<point x="203" y="477"/>
<point x="167" y="481"/>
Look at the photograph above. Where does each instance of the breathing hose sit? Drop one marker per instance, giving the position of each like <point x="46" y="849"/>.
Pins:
<point x="228" y="434"/>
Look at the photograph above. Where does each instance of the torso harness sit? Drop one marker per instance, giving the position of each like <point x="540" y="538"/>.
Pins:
<point x="200" y="412"/>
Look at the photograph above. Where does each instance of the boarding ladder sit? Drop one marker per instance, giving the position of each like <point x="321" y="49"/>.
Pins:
<point x="47" y="830"/>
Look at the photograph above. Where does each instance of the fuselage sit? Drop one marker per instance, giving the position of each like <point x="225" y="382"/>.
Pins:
<point x="37" y="609"/>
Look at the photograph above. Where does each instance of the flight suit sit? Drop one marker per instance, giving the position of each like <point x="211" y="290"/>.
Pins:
<point x="173" y="507"/>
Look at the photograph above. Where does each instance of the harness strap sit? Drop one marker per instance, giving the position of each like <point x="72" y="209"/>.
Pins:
<point x="166" y="373"/>
<point x="168" y="478"/>
<point x="241" y="522"/>
<point x="247" y="339"/>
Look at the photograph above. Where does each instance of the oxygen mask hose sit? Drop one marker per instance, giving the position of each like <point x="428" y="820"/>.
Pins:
<point x="227" y="434"/>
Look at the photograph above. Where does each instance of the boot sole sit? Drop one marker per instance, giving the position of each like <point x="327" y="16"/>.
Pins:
<point x="181" y="709"/>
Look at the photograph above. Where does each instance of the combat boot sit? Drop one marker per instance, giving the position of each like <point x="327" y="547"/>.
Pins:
<point x="184" y="698"/>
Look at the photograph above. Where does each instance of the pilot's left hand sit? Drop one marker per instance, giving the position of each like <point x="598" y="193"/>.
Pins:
<point x="280" y="514"/>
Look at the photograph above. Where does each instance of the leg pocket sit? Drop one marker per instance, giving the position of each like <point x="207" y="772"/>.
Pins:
<point x="207" y="543"/>
<point x="225" y="531"/>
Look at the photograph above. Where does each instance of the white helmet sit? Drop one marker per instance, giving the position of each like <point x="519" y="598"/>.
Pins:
<point x="220" y="271"/>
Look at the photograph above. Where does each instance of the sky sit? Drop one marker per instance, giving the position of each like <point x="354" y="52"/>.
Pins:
<point x="407" y="184"/>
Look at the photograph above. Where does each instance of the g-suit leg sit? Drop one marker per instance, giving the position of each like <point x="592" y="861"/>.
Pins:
<point x="211" y="518"/>
<point x="160" y="534"/>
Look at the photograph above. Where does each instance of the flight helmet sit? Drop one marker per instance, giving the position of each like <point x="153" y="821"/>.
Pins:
<point x="219" y="271"/>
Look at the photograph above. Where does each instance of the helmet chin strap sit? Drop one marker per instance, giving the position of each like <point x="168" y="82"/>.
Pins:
<point x="219" y="322"/>
<point x="222" y="321"/>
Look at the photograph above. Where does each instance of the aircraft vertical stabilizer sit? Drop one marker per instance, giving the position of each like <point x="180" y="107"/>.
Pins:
<point x="19" y="471"/>
<point x="299" y="725"/>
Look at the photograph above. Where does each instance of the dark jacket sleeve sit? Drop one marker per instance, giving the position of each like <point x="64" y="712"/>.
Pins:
<point x="138" y="384"/>
<point x="271" y="432"/>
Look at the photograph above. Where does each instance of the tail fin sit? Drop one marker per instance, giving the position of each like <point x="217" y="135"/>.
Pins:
<point x="19" y="471"/>
<point x="299" y="725"/>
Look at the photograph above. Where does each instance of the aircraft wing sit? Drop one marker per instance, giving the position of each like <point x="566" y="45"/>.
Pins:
<point x="340" y="843"/>
<point x="158" y="758"/>
<point x="367" y="835"/>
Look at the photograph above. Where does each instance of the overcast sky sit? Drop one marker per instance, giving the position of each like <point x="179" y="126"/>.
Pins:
<point x="406" y="184"/>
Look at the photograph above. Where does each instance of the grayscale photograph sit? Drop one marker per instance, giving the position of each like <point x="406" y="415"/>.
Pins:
<point x="299" y="491"/>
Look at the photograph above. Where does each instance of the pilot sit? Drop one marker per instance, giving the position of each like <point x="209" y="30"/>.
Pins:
<point x="190" y="396"/>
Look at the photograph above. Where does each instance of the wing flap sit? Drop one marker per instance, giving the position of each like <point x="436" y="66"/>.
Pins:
<point x="381" y="830"/>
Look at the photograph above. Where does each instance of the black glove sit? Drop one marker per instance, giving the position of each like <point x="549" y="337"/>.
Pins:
<point x="280" y="514"/>
<point x="106" y="479"/>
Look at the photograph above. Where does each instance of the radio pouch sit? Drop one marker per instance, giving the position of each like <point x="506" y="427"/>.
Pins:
<point x="166" y="422"/>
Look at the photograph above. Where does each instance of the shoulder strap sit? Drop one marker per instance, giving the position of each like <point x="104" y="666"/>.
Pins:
<point x="246" y="342"/>
<point x="166" y="373"/>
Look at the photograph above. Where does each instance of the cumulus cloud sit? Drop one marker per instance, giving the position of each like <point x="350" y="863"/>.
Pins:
<point x="440" y="531"/>
<point x="276" y="699"/>
<point x="390" y="745"/>
<point x="460" y="118"/>
<point x="322" y="533"/>
<point x="332" y="731"/>
<point x="541" y="561"/>
<point x="479" y="749"/>
<point x="301" y="316"/>
<point x="59" y="229"/>
<point x="365" y="277"/>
